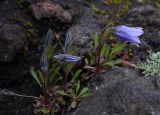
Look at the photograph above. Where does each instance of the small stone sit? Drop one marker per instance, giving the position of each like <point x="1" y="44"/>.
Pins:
<point x="48" y="9"/>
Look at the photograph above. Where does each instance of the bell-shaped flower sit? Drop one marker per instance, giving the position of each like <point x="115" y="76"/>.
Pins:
<point x="129" y="34"/>
<point x="67" y="58"/>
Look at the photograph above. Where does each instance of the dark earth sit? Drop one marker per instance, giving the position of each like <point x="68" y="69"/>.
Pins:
<point x="120" y="91"/>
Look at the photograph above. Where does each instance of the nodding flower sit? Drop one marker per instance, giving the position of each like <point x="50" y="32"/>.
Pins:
<point x="67" y="58"/>
<point x="129" y="34"/>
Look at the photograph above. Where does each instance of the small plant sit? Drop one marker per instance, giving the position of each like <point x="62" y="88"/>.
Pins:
<point x="57" y="74"/>
<point x="152" y="65"/>
<point x="75" y="93"/>
<point x="60" y="78"/>
<point x="105" y="55"/>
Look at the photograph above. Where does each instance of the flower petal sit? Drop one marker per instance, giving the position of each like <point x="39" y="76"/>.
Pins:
<point x="126" y="37"/>
<point x="67" y="58"/>
<point x="133" y="31"/>
<point x="71" y="58"/>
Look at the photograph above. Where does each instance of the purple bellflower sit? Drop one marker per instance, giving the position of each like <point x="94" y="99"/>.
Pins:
<point x="129" y="34"/>
<point x="67" y="58"/>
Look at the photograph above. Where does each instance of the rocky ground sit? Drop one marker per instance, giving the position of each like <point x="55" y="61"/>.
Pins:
<point x="120" y="91"/>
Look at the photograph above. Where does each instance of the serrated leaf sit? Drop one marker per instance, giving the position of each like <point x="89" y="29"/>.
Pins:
<point x="76" y="75"/>
<point x="34" y="74"/>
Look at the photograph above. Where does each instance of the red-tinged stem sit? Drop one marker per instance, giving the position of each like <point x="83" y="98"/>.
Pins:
<point x="129" y="64"/>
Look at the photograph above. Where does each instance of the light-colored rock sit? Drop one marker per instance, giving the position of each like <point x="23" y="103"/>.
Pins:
<point x="48" y="9"/>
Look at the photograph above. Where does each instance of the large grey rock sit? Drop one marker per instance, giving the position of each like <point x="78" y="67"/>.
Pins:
<point x="122" y="92"/>
<point x="12" y="38"/>
<point x="83" y="31"/>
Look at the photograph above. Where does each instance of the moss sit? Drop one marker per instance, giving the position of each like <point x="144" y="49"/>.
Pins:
<point x="28" y="25"/>
<point x="31" y="34"/>
<point x="98" y="11"/>
<point x="17" y="19"/>
<point x="113" y="2"/>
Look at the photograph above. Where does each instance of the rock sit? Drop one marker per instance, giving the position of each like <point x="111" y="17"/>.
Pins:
<point x="15" y="105"/>
<point x="149" y="18"/>
<point x="12" y="38"/>
<point x="121" y="91"/>
<point x="83" y="31"/>
<point x="48" y="9"/>
<point x="143" y="14"/>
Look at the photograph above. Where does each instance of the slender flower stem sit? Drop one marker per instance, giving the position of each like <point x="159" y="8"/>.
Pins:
<point x="7" y="92"/>
<point x="100" y="45"/>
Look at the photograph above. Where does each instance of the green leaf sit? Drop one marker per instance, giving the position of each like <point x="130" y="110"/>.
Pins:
<point x="113" y="62"/>
<point x="53" y="74"/>
<point x="118" y="48"/>
<point x="86" y="61"/>
<point x="87" y="94"/>
<point x="49" y="51"/>
<point x="34" y="74"/>
<point x="83" y="91"/>
<point x="59" y="77"/>
<point x="108" y="32"/>
<point x="76" y="75"/>
<point x="44" y="110"/>
<point x="72" y="49"/>
<point x="77" y="86"/>
<point x="96" y="40"/>
<point x="68" y="68"/>
<point x="61" y="92"/>
<point x="40" y="76"/>
<point x="105" y="50"/>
